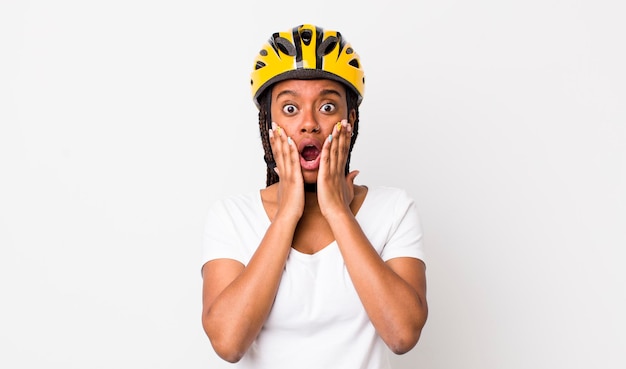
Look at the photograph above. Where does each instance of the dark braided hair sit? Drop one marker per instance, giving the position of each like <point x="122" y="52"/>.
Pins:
<point x="265" y="123"/>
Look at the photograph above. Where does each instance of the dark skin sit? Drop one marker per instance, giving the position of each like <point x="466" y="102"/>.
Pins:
<point x="237" y="299"/>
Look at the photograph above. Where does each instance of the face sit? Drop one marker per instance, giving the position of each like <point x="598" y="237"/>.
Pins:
<point x="308" y="110"/>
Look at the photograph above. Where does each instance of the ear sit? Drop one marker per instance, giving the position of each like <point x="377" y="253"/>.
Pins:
<point x="352" y="116"/>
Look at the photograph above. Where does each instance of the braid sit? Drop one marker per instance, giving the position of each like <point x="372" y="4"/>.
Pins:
<point x="352" y="104"/>
<point x="265" y="121"/>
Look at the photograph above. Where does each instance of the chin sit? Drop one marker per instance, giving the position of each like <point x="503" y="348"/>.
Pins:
<point x="310" y="177"/>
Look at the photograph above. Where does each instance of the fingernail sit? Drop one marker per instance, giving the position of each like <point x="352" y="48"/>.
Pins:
<point x="289" y="141"/>
<point x="330" y="138"/>
<point x="274" y="125"/>
<point x="271" y="133"/>
<point x="338" y="126"/>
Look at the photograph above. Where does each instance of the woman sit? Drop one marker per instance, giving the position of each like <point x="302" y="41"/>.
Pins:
<point x="312" y="271"/>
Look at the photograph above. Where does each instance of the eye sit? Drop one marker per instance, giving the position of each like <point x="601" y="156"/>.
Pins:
<point x="290" y="109"/>
<point x="328" y="108"/>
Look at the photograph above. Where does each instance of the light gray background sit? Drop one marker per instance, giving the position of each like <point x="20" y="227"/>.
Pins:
<point x="122" y="121"/>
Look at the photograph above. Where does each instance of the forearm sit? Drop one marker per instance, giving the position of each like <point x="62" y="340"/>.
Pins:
<point x="396" y="308"/>
<point x="235" y="317"/>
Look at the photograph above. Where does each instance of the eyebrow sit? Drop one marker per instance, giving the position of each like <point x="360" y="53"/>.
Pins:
<point x="324" y="92"/>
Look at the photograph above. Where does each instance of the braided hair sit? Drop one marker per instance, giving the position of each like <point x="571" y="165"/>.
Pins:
<point x="265" y="123"/>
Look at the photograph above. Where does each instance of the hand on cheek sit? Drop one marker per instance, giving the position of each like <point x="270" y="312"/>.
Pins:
<point x="291" y="183"/>
<point x="335" y="189"/>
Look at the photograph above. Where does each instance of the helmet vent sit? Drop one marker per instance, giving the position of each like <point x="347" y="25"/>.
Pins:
<point x="285" y="46"/>
<point x="327" y="46"/>
<point x="354" y="63"/>
<point x="306" y="36"/>
<point x="259" y="65"/>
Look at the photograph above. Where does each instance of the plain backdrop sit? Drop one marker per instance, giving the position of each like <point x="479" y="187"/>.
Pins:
<point x="122" y="121"/>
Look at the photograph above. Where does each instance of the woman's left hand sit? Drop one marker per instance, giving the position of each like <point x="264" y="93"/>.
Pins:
<point x="335" y="190"/>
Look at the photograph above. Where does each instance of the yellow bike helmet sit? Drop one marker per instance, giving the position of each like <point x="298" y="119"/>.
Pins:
<point x="306" y="52"/>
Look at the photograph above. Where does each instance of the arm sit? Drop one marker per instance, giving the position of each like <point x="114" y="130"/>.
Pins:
<point x="393" y="293"/>
<point x="237" y="299"/>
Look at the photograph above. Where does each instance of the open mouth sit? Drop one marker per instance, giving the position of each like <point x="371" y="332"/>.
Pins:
<point x="310" y="153"/>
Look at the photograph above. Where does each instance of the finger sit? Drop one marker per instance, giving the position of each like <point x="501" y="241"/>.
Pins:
<point x="350" y="184"/>
<point x="293" y="154"/>
<point x="344" y="149"/>
<point x="286" y="154"/>
<point x="325" y="157"/>
<point x="332" y="149"/>
<point x="275" y="146"/>
<point x="279" y="148"/>
<point x="342" y="146"/>
<point x="351" y="176"/>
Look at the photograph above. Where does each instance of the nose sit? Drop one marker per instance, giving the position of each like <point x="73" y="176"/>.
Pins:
<point x="309" y="123"/>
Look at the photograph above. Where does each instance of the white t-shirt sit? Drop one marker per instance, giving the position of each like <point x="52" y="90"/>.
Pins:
<point x="317" y="320"/>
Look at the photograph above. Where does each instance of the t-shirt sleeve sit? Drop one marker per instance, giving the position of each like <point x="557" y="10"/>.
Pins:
<point x="406" y="233"/>
<point x="220" y="239"/>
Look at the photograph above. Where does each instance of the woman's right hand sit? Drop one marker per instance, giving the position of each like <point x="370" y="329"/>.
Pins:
<point x="291" y="185"/>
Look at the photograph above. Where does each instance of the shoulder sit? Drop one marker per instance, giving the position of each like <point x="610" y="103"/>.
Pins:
<point x="387" y="194"/>
<point x="390" y="203"/>
<point x="385" y="202"/>
<point x="236" y="203"/>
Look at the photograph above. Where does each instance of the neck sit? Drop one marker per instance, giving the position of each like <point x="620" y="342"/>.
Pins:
<point x="310" y="202"/>
<point x="310" y="187"/>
